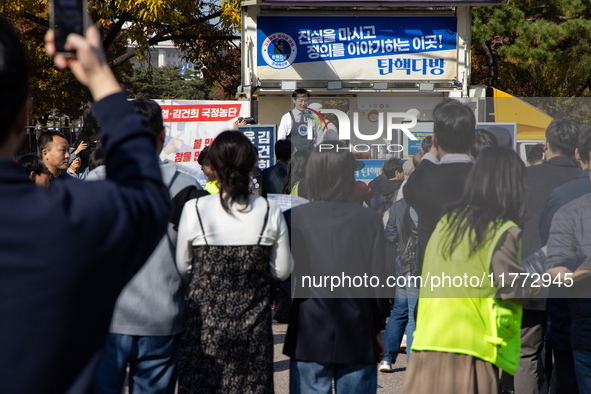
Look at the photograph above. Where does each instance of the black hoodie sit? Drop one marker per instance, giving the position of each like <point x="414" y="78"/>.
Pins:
<point x="387" y="190"/>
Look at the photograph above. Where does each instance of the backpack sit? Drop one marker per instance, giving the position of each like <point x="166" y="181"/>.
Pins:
<point x="384" y="209"/>
<point x="391" y="247"/>
<point x="409" y="252"/>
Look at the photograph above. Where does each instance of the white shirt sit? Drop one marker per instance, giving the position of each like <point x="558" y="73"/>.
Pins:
<point x="456" y="158"/>
<point x="238" y="228"/>
<point x="430" y="157"/>
<point x="286" y="123"/>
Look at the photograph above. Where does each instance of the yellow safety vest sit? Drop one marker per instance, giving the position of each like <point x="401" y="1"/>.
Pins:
<point x="211" y="187"/>
<point x="465" y="319"/>
<point x="294" y="189"/>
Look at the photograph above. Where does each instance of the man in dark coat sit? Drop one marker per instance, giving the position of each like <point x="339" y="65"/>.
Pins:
<point x="558" y="338"/>
<point x="569" y="244"/>
<point x="389" y="188"/>
<point x="274" y="176"/>
<point x="431" y="186"/>
<point x="559" y="148"/>
<point x="67" y="252"/>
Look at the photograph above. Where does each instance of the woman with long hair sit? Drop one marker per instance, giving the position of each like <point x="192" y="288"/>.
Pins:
<point x="294" y="180"/>
<point x="333" y="336"/>
<point x="231" y="244"/>
<point x="470" y="322"/>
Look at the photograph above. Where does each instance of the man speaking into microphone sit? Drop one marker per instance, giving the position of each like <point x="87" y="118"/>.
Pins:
<point x="294" y="124"/>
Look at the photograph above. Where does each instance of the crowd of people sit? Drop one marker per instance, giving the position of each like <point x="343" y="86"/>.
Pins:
<point x="142" y="273"/>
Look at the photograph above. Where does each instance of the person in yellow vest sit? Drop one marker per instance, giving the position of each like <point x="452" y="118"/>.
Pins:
<point x="467" y="331"/>
<point x="211" y="186"/>
<point x="296" y="169"/>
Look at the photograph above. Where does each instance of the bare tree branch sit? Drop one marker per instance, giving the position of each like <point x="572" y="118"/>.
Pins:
<point x="492" y="64"/>
<point x="121" y="59"/>
<point x="115" y="31"/>
<point x="191" y="23"/>
<point x="35" y="19"/>
<point x="581" y="89"/>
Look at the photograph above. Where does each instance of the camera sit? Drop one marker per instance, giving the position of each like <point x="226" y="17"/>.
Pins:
<point x="91" y="147"/>
<point x="247" y="120"/>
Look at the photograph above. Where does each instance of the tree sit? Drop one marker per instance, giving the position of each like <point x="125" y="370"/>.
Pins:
<point x="202" y="28"/>
<point x="536" y="48"/>
<point x="225" y="83"/>
<point x="167" y="83"/>
<point x="49" y="87"/>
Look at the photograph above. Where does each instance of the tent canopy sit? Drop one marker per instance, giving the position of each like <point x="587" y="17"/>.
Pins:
<point x="531" y="122"/>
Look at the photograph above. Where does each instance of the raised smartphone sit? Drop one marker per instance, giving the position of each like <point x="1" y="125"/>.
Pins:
<point x="67" y="16"/>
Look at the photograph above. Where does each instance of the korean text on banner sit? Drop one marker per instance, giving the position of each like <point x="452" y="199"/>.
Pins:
<point x="192" y="125"/>
<point x="381" y="48"/>
<point x="200" y="112"/>
<point x="263" y="138"/>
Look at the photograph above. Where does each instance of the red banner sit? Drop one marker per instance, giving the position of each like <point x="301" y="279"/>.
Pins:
<point x="200" y="113"/>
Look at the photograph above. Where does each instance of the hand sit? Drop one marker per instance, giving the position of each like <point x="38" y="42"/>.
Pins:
<point x="560" y="272"/>
<point x="89" y="64"/>
<point x="174" y="144"/>
<point x="238" y="123"/>
<point x="83" y="145"/>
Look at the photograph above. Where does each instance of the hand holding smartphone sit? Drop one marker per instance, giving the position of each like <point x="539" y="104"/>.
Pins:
<point x="86" y="60"/>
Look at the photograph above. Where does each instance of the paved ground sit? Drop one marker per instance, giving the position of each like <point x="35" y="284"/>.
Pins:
<point x="387" y="383"/>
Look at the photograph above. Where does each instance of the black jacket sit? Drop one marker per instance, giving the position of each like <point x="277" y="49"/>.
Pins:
<point x="66" y="253"/>
<point x="569" y="245"/>
<point x="541" y="180"/>
<point x="329" y="238"/>
<point x="558" y="334"/>
<point x="273" y="178"/>
<point x="562" y="195"/>
<point x="429" y="189"/>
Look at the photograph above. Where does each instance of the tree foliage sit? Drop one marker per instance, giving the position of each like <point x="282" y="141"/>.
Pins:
<point x="226" y="82"/>
<point x="167" y="83"/>
<point x="533" y="47"/>
<point x="49" y="87"/>
<point x="202" y="28"/>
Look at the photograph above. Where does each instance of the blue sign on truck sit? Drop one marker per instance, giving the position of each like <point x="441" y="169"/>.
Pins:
<point x="387" y="48"/>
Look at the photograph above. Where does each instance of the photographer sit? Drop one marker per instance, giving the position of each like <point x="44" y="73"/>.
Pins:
<point x="75" y="152"/>
<point x="242" y="122"/>
<point x="55" y="309"/>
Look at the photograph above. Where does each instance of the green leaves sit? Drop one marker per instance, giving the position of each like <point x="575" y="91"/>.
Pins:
<point x="204" y="29"/>
<point x="547" y="42"/>
<point x="167" y="83"/>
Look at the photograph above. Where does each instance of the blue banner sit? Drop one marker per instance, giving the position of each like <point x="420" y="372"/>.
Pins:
<point x="415" y="146"/>
<point x="370" y="171"/>
<point x="398" y="48"/>
<point x="263" y="138"/>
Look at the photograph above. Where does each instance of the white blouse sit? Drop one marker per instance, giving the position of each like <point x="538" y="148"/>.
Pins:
<point x="235" y="229"/>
